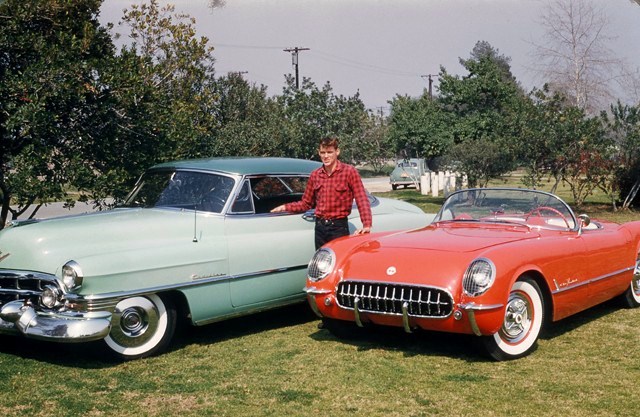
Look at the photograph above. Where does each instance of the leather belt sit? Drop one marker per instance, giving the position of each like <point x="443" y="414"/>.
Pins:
<point x="331" y="222"/>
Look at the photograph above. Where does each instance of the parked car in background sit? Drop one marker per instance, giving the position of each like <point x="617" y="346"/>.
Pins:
<point x="408" y="172"/>
<point x="496" y="263"/>
<point x="193" y="239"/>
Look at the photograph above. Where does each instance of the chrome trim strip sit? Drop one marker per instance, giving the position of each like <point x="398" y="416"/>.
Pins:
<point x="182" y="285"/>
<point x="315" y="291"/>
<point x="591" y="281"/>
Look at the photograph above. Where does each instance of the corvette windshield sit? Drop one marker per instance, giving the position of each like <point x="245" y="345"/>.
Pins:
<point x="181" y="189"/>
<point x="533" y="208"/>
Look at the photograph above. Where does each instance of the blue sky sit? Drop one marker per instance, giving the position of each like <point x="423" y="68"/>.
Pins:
<point x="378" y="47"/>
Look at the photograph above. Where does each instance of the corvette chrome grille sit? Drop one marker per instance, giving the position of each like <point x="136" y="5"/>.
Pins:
<point x="387" y="298"/>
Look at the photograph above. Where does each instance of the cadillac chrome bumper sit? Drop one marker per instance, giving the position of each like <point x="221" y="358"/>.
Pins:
<point x="19" y="318"/>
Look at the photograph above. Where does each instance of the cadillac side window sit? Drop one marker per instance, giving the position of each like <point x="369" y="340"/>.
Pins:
<point x="243" y="204"/>
<point x="181" y="190"/>
<point x="270" y="192"/>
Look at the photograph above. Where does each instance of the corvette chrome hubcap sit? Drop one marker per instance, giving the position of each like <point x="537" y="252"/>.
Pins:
<point x="517" y="318"/>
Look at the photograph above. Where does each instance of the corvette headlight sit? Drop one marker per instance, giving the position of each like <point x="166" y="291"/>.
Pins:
<point x="321" y="264"/>
<point x="72" y="275"/>
<point x="479" y="277"/>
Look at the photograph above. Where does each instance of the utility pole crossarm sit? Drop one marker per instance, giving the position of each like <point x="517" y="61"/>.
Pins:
<point x="294" y="60"/>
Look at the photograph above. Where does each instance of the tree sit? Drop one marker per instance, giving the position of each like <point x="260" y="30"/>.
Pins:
<point x="50" y="97"/>
<point x="314" y="113"/>
<point x="250" y="123"/>
<point x="624" y="127"/>
<point x="162" y="89"/>
<point x="481" y="106"/>
<point x="574" y="55"/>
<point x="418" y="127"/>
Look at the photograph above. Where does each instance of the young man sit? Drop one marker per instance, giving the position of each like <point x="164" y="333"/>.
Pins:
<point x="331" y="190"/>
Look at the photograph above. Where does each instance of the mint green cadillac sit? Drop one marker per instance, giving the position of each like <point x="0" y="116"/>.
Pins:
<point x="193" y="239"/>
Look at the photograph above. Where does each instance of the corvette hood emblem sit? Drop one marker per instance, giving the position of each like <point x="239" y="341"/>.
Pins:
<point x="391" y="270"/>
<point x="3" y="256"/>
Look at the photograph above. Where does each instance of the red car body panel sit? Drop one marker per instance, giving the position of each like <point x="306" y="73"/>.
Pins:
<point x="575" y="269"/>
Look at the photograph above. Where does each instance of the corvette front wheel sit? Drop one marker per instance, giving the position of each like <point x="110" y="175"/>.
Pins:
<point x="522" y="323"/>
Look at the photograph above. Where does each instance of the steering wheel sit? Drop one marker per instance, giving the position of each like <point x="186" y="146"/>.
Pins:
<point x="539" y="210"/>
<point x="212" y="202"/>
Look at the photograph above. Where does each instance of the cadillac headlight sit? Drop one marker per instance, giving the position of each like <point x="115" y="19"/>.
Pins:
<point x="72" y="275"/>
<point x="321" y="264"/>
<point x="479" y="277"/>
<point x="50" y="296"/>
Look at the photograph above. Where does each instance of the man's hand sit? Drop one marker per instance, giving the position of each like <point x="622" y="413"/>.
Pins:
<point x="362" y="231"/>
<point x="279" y="209"/>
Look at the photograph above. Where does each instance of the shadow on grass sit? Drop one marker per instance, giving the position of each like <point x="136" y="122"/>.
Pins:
<point x="568" y="324"/>
<point x="95" y="355"/>
<point x="420" y="342"/>
<point x="292" y="315"/>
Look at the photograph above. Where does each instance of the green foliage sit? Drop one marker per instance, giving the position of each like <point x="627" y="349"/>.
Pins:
<point x="50" y="97"/>
<point x="315" y="113"/>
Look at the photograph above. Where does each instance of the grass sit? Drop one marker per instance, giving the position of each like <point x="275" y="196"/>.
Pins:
<point x="279" y="363"/>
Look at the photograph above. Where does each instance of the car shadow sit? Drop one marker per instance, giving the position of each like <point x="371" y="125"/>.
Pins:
<point x="94" y="355"/>
<point x="568" y="324"/>
<point x="420" y="342"/>
<point x="234" y="328"/>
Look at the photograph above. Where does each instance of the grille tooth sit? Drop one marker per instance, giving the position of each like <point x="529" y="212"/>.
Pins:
<point x="24" y="286"/>
<point x="385" y="298"/>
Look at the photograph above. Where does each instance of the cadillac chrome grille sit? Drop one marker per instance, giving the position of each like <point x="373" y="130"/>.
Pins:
<point x="386" y="298"/>
<point x="23" y="286"/>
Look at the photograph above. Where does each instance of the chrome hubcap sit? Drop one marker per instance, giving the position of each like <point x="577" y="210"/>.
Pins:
<point x="517" y="320"/>
<point x="134" y="322"/>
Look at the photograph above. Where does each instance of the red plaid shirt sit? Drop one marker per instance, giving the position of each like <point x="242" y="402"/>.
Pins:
<point x="333" y="195"/>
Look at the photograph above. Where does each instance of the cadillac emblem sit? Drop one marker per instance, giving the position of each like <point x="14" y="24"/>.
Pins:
<point x="391" y="270"/>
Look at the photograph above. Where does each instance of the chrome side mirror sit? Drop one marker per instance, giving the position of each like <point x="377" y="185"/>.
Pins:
<point x="584" y="221"/>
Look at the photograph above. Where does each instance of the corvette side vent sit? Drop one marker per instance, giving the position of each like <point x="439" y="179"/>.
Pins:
<point x="386" y="298"/>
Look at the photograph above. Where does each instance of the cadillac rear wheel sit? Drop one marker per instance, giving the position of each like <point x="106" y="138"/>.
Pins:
<point x="522" y="323"/>
<point x="141" y="326"/>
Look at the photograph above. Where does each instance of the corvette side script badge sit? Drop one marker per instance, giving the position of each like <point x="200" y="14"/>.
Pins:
<point x="391" y="270"/>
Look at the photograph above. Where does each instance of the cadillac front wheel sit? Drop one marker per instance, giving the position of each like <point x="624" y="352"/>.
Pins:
<point x="141" y="326"/>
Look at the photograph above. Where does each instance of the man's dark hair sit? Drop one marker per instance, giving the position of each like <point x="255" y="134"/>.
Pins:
<point x="329" y="141"/>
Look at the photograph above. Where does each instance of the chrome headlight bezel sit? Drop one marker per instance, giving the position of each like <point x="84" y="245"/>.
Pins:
<point x="50" y="297"/>
<point x="72" y="276"/>
<point x="479" y="277"/>
<point x="321" y="265"/>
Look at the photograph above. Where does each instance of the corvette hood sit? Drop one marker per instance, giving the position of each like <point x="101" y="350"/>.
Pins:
<point x="432" y="255"/>
<point x="456" y="237"/>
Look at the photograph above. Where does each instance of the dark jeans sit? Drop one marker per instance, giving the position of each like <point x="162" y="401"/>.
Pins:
<point x="327" y="230"/>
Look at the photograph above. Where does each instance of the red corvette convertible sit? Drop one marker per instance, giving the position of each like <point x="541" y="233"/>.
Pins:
<point x="496" y="263"/>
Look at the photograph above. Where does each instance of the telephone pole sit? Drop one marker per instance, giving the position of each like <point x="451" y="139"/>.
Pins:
<point x="430" y="84"/>
<point x="294" y="60"/>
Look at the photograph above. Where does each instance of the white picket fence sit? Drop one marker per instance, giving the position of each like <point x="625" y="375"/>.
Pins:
<point x="445" y="181"/>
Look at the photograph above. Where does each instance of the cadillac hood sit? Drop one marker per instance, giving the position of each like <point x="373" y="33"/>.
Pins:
<point x="115" y="242"/>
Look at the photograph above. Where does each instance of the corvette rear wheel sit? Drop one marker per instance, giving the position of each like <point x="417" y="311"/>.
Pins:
<point x="523" y="320"/>
<point x="141" y="326"/>
<point x="631" y="297"/>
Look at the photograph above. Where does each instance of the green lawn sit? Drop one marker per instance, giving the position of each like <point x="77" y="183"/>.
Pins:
<point x="280" y="364"/>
